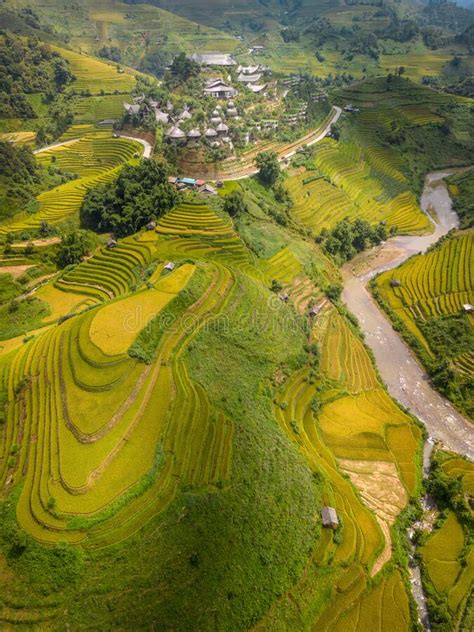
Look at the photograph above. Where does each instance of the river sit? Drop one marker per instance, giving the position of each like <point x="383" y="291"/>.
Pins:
<point x="405" y="378"/>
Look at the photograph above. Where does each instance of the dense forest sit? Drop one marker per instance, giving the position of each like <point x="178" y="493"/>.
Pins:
<point x="28" y="67"/>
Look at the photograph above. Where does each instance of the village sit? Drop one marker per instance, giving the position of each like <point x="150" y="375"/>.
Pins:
<point x="237" y="107"/>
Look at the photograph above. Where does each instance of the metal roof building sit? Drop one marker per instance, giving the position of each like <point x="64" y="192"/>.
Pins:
<point x="213" y="59"/>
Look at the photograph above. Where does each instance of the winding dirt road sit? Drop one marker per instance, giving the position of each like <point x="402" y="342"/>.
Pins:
<point x="309" y="140"/>
<point x="405" y="378"/>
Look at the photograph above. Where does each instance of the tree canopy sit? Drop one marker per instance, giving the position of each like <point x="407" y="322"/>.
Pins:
<point x="234" y="204"/>
<point x="74" y="246"/>
<point x="268" y="166"/>
<point x="181" y="70"/>
<point x="27" y="67"/>
<point x="139" y="194"/>
<point x="348" y="238"/>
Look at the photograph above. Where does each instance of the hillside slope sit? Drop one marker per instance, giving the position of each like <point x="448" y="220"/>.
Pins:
<point x="145" y="449"/>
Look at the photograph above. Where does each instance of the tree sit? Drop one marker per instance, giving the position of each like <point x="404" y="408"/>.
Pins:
<point x="140" y="194"/>
<point x="335" y="131"/>
<point x="74" y="246"/>
<point x="234" y="204"/>
<point x="182" y="69"/>
<point x="348" y="238"/>
<point x="401" y="71"/>
<point x="333" y="292"/>
<point x="268" y="167"/>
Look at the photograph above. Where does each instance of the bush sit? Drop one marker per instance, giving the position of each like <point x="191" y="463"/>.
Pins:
<point x="234" y="204"/>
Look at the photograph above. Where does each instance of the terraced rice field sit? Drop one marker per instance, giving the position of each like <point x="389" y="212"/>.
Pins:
<point x="448" y="554"/>
<point x="109" y="273"/>
<point x="94" y="159"/>
<point x="441" y="556"/>
<point x="435" y="284"/>
<point x="19" y="138"/>
<point x="379" y="199"/>
<point x="120" y="400"/>
<point x="284" y="266"/>
<point x="195" y="230"/>
<point x="373" y="94"/>
<point x="353" y="180"/>
<point x="385" y="607"/>
<point x="359" y="430"/>
<point x="94" y="76"/>
<point x="92" y="110"/>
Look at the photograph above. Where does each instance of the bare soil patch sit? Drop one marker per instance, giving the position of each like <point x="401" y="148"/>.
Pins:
<point x="383" y="492"/>
<point x="15" y="271"/>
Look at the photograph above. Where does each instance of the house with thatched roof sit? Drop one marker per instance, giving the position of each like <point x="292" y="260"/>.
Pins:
<point x="222" y="129"/>
<point x="175" y="134"/>
<point x="194" y="134"/>
<point x="162" y="117"/>
<point x="255" y="78"/>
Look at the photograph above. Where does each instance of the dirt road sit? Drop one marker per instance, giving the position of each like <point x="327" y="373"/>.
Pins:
<point x="405" y="378"/>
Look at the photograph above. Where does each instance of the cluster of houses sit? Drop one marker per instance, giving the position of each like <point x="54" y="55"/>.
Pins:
<point x="296" y="116"/>
<point x="143" y="106"/>
<point x="250" y="76"/>
<point x="216" y="133"/>
<point x="199" y="186"/>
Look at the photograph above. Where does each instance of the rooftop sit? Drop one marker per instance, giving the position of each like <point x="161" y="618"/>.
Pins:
<point x="329" y="517"/>
<point x="246" y="78"/>
<point x="175" y="132"/>
<point x="213" y="59"/>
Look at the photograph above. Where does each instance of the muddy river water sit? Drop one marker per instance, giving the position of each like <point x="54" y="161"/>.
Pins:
<point x="405" y="378"/>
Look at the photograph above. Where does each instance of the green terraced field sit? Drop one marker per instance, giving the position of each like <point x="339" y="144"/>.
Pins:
<point x="434" y="284"/>
<point x="448" y="553"/>
<point x="91" y="110"/>
<point x="87" y="472"/>
<point x="94" y="159"/>
<point x="429" y="288"/>
<point x="94" y="76"/>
